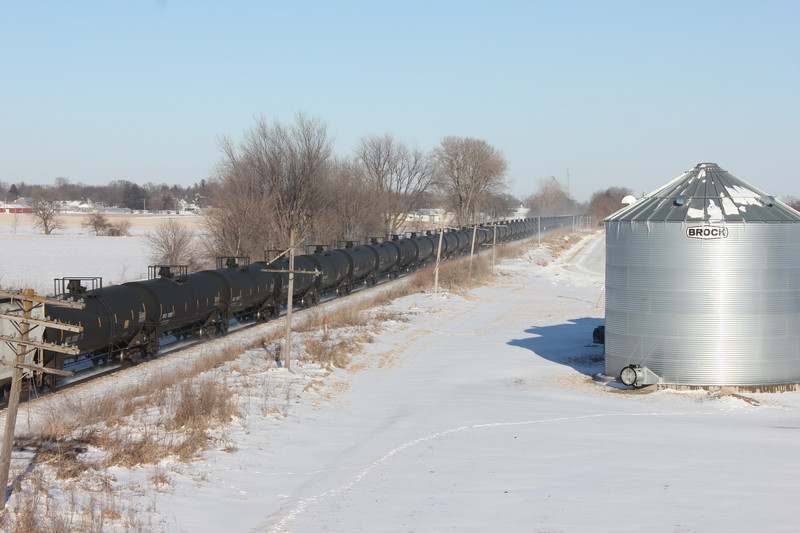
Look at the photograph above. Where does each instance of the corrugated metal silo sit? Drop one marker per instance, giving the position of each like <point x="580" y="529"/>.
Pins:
<point x="703" y="285"/>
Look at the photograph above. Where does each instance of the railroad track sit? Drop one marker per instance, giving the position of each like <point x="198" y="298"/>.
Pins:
<point x="87" y="372"/>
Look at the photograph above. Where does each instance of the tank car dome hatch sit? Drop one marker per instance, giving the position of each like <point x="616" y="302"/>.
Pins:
<point x="703" y="285"/>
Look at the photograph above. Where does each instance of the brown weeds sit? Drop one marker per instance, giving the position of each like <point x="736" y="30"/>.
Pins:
<point x="203" y="403"/>
<point x="173" y="414"/>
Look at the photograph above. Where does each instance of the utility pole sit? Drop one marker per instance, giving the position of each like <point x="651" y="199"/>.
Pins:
<point x="494" y="244"/>
<point x="539" y="230"/>
<point x="472" y="248"/>
<point x="287" y="355"/>
<point x="567" y="182"/>
<point x="436" y="268"/>
<point x="287" y="345"/>
<point x="21" y="345"/>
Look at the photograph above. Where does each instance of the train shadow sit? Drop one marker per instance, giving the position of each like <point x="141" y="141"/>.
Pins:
<point x="568" y="344"/>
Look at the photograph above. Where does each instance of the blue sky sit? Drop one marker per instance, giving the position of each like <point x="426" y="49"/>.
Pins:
<point x="613" y="93"/>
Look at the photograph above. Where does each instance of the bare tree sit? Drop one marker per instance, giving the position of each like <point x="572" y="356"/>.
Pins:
<point x="120" y="228"/>
<point x="278" y="175"/>
<point x="356" y="214"/>
<point x="468" y="170"/>
<point x="292" y="164"/>
<point x="604" y="203"/>
<point x="97" y="223"/>
<point x="551" y="199"/>
<point x="239" y="223"/>
<point x="172" y="243"/>
<point x="45" y="211"/>
<point x="500" y="205"/>
<point x="793" y="202"/>
<point x="397" y="175"/>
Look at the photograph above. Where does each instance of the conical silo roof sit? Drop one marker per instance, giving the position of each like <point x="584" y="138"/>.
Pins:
<point x="703" y="285"/>
<point x="707" y="193"/>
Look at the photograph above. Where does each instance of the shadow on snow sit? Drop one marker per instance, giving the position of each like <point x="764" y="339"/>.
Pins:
<point x="568" y="344"/>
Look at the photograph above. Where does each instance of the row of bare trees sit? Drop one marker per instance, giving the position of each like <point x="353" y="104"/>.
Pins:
<point x="397" y="175"/>
<point x="284" y="177"/>
<point x="121" y="193"/>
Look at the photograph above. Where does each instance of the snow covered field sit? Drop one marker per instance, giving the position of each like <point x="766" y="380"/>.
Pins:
<point x="470" y="412"/>
<point x="30" y="259"/>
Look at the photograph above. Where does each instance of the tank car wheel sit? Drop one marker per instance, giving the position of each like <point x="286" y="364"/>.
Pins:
<point x="130" y="356"/>
<point x="152" y="349"/>
<point x="51" y="381"/>
<point x="222" y="327"/>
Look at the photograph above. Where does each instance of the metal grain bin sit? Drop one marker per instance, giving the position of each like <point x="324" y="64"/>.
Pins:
<point x="703" y="285"/>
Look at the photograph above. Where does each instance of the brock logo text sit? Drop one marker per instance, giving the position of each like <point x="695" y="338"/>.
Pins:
<point x="707" y="232"/>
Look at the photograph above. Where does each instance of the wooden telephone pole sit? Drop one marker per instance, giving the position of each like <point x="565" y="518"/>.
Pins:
<point x="494" y="243"/>
<point x="472" y="248"/>
<point x="287" y="345"/>
<point x="438" y="260"/>
<point x="21" y="345"/>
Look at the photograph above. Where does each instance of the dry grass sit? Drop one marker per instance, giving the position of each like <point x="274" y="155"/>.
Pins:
<point x="180" y="417"/>
<point x="458" y="275"/>
<point x="337" y="353"/>
<point x="203" y="403"/>
<point x="176" y="413"/>
<point x="175" y="422"/>
<point x="39" y="512"/>
<point x="560" y="240"/>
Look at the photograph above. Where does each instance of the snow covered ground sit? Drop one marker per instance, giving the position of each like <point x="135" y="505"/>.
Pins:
<point x="31" y="259"/>
<point x="475" y="412"/>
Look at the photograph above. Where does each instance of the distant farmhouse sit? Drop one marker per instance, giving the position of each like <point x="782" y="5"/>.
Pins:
<point x="434" y="216"/>
<point x="21" y="205"/>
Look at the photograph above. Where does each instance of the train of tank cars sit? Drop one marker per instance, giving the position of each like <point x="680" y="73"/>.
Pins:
<point x="127" y="322"/>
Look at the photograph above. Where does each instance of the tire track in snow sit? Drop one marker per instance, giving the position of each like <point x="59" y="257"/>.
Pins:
<point x="586" y="259"/>
<point x="420" y="339"/>
<point x="282" y="525"/>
